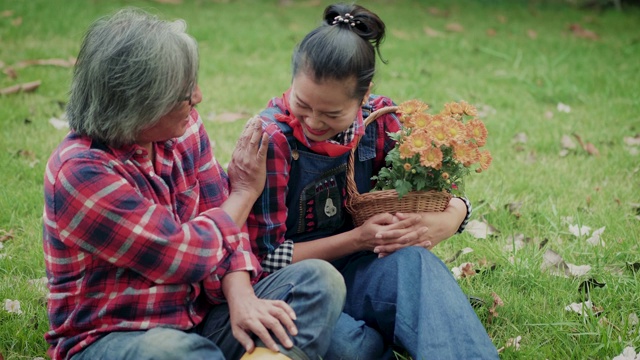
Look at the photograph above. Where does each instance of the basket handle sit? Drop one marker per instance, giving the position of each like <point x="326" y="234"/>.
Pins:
<point x="352" y="189"/>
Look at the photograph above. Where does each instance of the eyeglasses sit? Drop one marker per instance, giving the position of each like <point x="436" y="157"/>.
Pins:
<point x="188" y="97"/>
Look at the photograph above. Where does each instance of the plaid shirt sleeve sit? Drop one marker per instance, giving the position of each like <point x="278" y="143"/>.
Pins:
<point x="390" y="124"/>
<point x="211" y="177"/>
<point x="267" y="222"/>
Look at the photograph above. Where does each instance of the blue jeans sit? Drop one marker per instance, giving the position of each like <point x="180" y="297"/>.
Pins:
<point x="406" y="300"/>
<point x="313" y="288"/>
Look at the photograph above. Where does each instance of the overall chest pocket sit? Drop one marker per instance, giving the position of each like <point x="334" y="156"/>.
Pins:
<point x="321" y="205"/>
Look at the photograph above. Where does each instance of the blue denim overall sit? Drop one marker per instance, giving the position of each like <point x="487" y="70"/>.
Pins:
<point x="408" y="299"/>
<point x="317" y="190"/>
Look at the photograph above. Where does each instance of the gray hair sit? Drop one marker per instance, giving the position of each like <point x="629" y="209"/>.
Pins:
<point x="131" y="70"/>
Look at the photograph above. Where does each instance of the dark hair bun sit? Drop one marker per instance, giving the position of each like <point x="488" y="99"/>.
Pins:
<point x="365" y="23"/>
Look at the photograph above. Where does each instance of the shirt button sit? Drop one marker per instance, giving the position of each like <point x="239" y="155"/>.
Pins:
<point x="139" y="152"/>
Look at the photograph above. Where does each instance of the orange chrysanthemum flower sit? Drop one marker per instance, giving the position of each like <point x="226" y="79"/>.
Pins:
<point x="455" y="130"/>
<point x="405" y="151"/>
<point x="421" y="121"/>
<point x="468" y="109"/>
<point x="445" y="175"/>
<point x="437" y="120"/>
<point x="412" y="107"/>
<point x="454" y="109"/>
<point x="418" y="141"/>
<point x="431" y="157"/>
<point x="440" y="135"/>
<point x="466" y="153"/>
<point x="407" y="166"/>
<point x="485" y="159"/>
<point x="477" y="131"/>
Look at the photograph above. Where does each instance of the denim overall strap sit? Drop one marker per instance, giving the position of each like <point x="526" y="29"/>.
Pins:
<point x="317" y="185"/>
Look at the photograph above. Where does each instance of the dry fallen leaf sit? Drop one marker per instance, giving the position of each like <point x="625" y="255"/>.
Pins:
<point x="10" y="72"/>
<point x="6" y="235"/>
<point x="514" y="208"/>
<point x="567" y="143"/>
<point x="632" y="141"/>
<point x="513" y="342"/>
<point x="554" y="263"/>
<point x="532" y="34"/>
<point x="10" y="90"/>
<point x="464" y="270"/>
<point x="516" y="242"/>
<point x="520" y="138"/>
<point x="437" y="12"/>
<point x="578" y="270"/>
<point x="592" y="150"/>
<point x="431" y="32"/>
<point x="578" y="230"/>
<point x="491" y="32"/>
<point x="586" y="286"/>
<point x="480" y="229"/>
<point x="70" y="62"/>
<point x="497" y="301"/>
<point x="563" y="108"/>
<point x="28" y="155"/>
<point x="454" y="27"/>
<point x="629" y="353"/>
<point x="587" y="146"/>
<point x="17" y="21"/>
<point x="595" y="237"/>
<point x="6" y="13"/>
<point x="25" y="87"/>
<point x="580" y="308"/>
<point x="581" y="32"/>
<point x="59" y="124"/>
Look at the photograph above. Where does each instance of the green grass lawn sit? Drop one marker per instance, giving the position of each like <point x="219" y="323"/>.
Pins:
<point x="519" y="62"/>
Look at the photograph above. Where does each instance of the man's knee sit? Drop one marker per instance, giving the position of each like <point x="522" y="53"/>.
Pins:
<point x="323" y="276"/>
<point x="322" y="271"/>
<point x="165" y="344"/>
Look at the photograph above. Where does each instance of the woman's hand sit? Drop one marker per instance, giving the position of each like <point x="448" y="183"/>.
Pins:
<point x="250" y="315"/>
<point x="422" y="229"/>
<point x="248" y="170"/>
<point x="386" y="231"/>
<point x="403" y="230"/>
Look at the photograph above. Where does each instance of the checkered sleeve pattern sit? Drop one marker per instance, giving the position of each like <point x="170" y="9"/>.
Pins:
<point x="466" y="218"/>
<point x="280" y="258"/>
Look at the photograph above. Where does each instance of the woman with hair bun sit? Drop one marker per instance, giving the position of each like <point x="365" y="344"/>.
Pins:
<point x="399" y="294"/>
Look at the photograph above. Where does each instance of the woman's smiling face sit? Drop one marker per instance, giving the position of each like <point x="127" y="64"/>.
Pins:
<point x="324" y="108"/>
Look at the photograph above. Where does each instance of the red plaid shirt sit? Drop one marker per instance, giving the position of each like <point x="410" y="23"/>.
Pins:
<point x="132" y="245"/>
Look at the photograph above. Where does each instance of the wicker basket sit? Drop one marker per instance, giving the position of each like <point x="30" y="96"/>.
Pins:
<point x="363" y="206"/>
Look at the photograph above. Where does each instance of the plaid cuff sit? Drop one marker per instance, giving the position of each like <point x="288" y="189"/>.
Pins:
<point x="466" y="218"/>
<point x="280" y="258"/>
